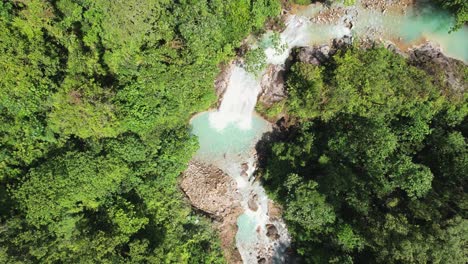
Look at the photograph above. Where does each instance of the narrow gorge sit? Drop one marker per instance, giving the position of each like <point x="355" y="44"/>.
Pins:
<point x="221" y="179"/>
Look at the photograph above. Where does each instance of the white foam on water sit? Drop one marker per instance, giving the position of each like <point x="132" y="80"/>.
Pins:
<point x="237" y="108"/>
<point x="235" y="111"/>
<point x="238" y="101"/>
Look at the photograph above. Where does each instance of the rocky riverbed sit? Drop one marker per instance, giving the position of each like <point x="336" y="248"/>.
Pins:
<point x="216" y="194"/>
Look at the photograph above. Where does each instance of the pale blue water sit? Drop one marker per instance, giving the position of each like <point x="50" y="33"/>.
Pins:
<point x="247" y="229"/>
<point x="434" y="25"/>
<point x="230" y="141"/>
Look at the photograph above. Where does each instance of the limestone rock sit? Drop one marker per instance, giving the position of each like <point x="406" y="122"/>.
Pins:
<point x="272" y="84"/>
<point x="213" y="192"/>
<point x="209" y="189"/>
<point x="272" y="232"/>
<point x="222" y="80"/>
<point x="252" y="203"/>
<point x="430" y="58"/>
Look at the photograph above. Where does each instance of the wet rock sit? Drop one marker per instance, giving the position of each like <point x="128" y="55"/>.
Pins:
<point x="323" y="53"/>
<point x="314" y="55"/>
<point x="272" y="231"/>
<point x="274" y="211"/>
<point x="343" y="42"/>
<point x="244" y="169"/>
<point x="393" y="48"/>
<point x="430" y="58"/>
<point x="272" y="84"/>
<point x="209" y="189"/>
<point x="252" y="203"/>
<point x="245" y="166"/>
<point x="222" y="80"/>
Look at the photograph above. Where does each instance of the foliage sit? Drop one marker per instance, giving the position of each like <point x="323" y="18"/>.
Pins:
<point x="95" y="98"/>
<point x="255" y="61"/>
<point x="302" y="2"/>
<point x="459" y="8"/>
<point x="371" y="171"/>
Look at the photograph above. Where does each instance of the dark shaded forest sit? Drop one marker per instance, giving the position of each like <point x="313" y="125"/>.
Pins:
<point x="373" y="165"/>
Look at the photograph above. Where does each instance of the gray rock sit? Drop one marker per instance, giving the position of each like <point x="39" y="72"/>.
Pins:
<point x="430" y="58"/>
<point x="342" y="42"/>
<point x="272" y="232"/>
<point x="252" y="203"/>
<point x="245" y="166"/>
<point x="272" y="84"/>
<point x="307" y="55"/>
<point x="314" y="55"/>
<point x="222" y="80"/>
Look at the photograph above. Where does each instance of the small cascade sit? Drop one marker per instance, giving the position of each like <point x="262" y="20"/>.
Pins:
<point x="227" y="140"/>
<point x="300" y="32"/>
<point x="297" y="33"/>
<point x="228" y="136"/>
<point x="238" y="101"/>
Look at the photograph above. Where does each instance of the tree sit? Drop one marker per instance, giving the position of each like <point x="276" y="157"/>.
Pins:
<point x="372" y="166"/>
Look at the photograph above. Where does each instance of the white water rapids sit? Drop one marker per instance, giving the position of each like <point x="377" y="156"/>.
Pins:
<point x="228" y="136"/>
<point x="234" y="117"/>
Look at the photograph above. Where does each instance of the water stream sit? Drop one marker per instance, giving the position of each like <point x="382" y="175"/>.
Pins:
<point x="228" y="135"/>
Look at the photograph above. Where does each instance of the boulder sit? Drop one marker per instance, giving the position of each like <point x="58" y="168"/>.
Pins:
<point x="272" y="85"/>
<point x="343" y="42"/>
<point x="252" y="203"/>
<point x="272" y="231"/>
<point x="209" y="189"/>
<point x="244" y="166"/>
<point x="307" y="55"/>
<point x="314" y="55"/>
<point x="430" y="58"/>
<point x="213" y="192"/>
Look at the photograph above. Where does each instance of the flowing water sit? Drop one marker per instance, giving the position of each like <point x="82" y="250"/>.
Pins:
<point x="228" y="136"/>
<point x="418" y="24"/>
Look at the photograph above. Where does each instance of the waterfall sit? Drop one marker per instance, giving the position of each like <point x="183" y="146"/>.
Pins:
<point x="236" y="109"/>
<point x="297" y="33"/>
<point x="240" y="97"/>
<point x="238" y="101"/>
<point x="227" y="140"/>
<point x="228" y="136"/>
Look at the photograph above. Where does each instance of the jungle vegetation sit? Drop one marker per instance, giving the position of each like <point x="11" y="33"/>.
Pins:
<point x="373" y="167"/>
<point x="95" y="98"/>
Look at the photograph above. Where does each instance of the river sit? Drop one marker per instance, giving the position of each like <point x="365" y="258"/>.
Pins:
<point x="228" y="135"/>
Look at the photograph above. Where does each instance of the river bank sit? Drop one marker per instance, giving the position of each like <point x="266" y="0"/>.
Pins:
<point x="234" y="189"/>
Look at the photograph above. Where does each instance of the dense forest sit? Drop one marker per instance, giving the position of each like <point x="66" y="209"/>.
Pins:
<point x="373" y="166"/>
<point x="95" y="98"/>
